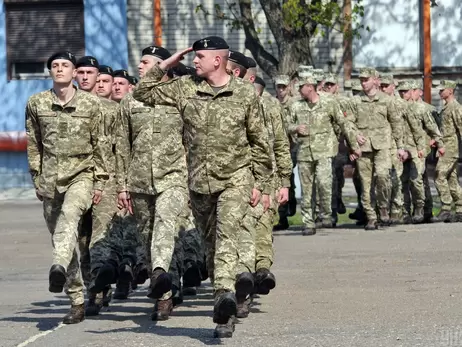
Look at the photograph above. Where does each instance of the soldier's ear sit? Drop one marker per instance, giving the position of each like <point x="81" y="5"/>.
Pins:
<point x="74" y="73"/>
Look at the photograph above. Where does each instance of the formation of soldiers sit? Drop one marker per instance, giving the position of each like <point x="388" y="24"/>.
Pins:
<point x="178" y="177"/>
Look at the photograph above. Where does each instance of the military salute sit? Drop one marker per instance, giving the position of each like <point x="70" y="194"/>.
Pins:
<point x="178" y="177"/>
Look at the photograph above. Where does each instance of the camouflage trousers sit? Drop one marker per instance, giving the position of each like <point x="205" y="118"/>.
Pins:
<point x="377" y="162"/>
<point x="63" y="214"/>
<point x="218" y="217"/>
<point x="264" y="251"/>
<point x="447" y="183"/>
<point x="319" y="171"/>
<point x="157" y="217"/>
<point x="413" y="184"/>
<point x="396" y="198"/>
<point x="246" y="249"/>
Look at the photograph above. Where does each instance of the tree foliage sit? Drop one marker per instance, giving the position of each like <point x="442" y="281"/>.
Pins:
<point x="293" y="23"/>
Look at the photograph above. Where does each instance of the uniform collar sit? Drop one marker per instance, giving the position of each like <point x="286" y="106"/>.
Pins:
<point x="71" y="103"/>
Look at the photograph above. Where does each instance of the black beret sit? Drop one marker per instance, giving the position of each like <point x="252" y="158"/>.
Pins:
<point x="259" y="80"/>
<point x="105" y="70"/>
<point x="61" y="55"/>
<point x="251" y="62"/>
<point x="132" y="80"/>
<point x="87" y="61"/>
<point x="121" y="73"/>
<point x="210" y="43"/>
<point x="157" y="51"/>
<point x="238" y="58"/>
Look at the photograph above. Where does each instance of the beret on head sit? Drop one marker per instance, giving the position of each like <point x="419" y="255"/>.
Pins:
<point x="105" y="70"/>
<point x="157" y="51"/>
<point x="260" y="81"/>
<point x="132" y="80"/>
<point x="87" y="61"/>
<point x="122" y="74"/>
<point x="210" y="43"/>
<point x="61" y="55"/>
<point x="251" y="62"/>
<point x="238" y="58"/>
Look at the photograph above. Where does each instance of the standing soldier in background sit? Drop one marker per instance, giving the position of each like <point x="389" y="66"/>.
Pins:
<point x="446" y="177"/>
<point x="121" y="85"/>
<point x="428" y="121"/>
<point x="282" y="83"/>
<point x="152" y="181"/>
<point x="316" y="121"/>
<point x="66" y="160"/>
<point x="373" y="116"/>
<point x="341" y="159"/>
<point x="228" y="159"/>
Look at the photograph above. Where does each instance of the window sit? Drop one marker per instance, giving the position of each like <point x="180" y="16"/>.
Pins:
<point x="35" y="29"/>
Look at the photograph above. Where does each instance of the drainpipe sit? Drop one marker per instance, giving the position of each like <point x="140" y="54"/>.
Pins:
<point x="427" y="43"/>
<point x="347" y="42"/>
<point x="157" y="23"/>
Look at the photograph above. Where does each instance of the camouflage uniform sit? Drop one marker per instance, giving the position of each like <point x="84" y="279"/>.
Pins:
<point x="66" y="161"/>
<point x="317" y="148"/>
<point x="446" y="179"/>
<point x="377" y="120"/>
<point x="151" y="166"/>
<point x="227" y="147"/>
<point x="257" y="223"/>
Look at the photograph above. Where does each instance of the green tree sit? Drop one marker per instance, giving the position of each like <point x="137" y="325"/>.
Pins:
<point x="293" y="23"/>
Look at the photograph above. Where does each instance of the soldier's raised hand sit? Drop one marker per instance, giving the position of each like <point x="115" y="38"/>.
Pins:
<point x="175" y="59"/>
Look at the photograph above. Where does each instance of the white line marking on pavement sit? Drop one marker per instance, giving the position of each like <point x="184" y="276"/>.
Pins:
<point x="35" y="337"/>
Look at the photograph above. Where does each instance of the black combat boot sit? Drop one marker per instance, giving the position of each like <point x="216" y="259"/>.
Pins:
<point x="56" y="278"/>
<point x="244" y="284"/>
<point x="76" y="315"/>
<point x="309" y="231"/>
<point x="265" y="281"/>
<point x="418" y="216"/>
<point x="161" y="283"/>
<point x="105" y="275"/>
<point x="371" y="225"/>
<point x="94" y="304"/>
<point x="192" y="275"/>
<point x="225" y="330"/>
<point x="443" y="216"/>
<point x="282" y="225"/>
<point x="225" y="306"/>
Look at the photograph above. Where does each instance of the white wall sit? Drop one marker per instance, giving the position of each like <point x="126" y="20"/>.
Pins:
<point x="393" y="40"/>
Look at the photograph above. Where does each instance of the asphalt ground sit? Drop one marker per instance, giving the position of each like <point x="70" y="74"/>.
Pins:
<point x="399" y="286"/>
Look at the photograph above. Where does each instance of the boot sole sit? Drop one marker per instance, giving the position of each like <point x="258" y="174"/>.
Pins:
<point x="226" y="309"/>
<point x="267" y="284"/>
<point x="57" y="281"/>
<point x="192" y="277"/>
<point x="162" y="285"/>
<point x="244" y="287"/>
<point x="73" y="321"/>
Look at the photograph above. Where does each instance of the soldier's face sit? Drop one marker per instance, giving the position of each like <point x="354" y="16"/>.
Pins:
<point x="405" y="94"/>
<point x="62" y="71"/>
<point x="147" y="62"/>
<point x="120" y="87"/>
<point x="320" y="86"/>
<point x="282" y="91"/>
<point x="207" y="62"/>
<point x="388" y="89"/>
<point x="368" y="83"/>
<point x="330" y="88"/>
<point x="86" y="78"/>
<point x="306" y="90"/>
<point x="445" y="93"/>
<point x="104" y="85"/>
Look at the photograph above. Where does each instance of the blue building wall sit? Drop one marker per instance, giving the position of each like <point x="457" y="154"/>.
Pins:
<point x="105" y="38"/>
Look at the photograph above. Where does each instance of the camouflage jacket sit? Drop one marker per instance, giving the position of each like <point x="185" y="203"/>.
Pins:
<point x="377" y="120"/>
<point x="110" y="110"/>
<point x="413" y="136"/>
<point x="325" y="123"/>
<point x="224" y="133"/>
<point x="64" y="143"/>
<point x="279" y="143"/>
<point x="150" y="156"/>
<point x="427" y="124"/>
<point x="451" y="127"/>
<point x="432" y="109"/>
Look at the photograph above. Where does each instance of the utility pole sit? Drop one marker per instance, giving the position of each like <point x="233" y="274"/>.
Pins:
<point x="427" y="58"/>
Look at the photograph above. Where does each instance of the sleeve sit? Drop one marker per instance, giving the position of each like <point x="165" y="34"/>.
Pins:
<point x="432" y="128"/>
<point x="152" y="91"/>
<point x="292" y="120"/>
<point x="396" y="123"/>
<point x="257" y="136"/>
<point x="34" y="144"/>
<point x="416" y="130"/>
<point x="101" y="147"/>
<point x="345" y="125"/>
<point x="123" y="145"/>
<point x="281" y="147"/>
